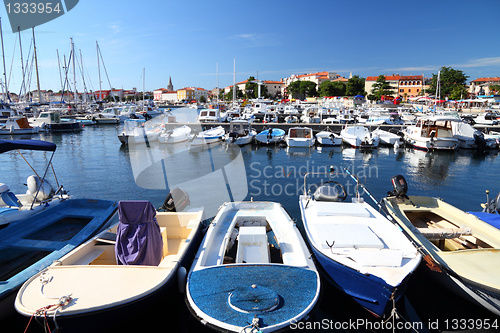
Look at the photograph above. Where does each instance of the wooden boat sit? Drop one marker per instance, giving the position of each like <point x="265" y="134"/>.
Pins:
<point x="178" y="134"/>
<point x="460" y="250"/>
<point x="39" y="195"/>
<point x="102" y="290"/>
<point x="240" y="132"/>
<point x="300" y="137"/>
<point x="253" y="271"/>
<point x="359" y="137"/>
<point x="32" y="244"/>
<point x="270" y="136"/>
<point x="360" y="251"/>
<point x="208" y="136"/>
<point x="328" y="138"/>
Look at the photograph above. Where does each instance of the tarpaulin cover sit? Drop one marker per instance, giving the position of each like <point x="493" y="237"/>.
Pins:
<point x="138" y="237"/>
<point x="6" y="145"/>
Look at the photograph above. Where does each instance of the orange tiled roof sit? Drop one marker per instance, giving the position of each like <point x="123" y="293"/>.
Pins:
<point x="395" y="77"/>
<point x="487" y="79"/>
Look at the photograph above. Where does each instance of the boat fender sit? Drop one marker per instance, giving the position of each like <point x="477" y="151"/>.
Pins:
<point x="43" y="188"/>
<point x="181" y="279"/>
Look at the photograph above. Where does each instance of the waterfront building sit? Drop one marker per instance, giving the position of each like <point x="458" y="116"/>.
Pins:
<point x="481" y="86"/>
<point x="403" y="85"/>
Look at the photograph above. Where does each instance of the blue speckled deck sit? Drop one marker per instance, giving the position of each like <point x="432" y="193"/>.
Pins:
<point x="210" y="288"/>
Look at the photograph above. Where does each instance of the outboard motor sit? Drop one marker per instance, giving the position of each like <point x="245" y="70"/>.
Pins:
<point x="400" y="187"/>
<point x="479" y="139"/>
<point x="175" y="201"/>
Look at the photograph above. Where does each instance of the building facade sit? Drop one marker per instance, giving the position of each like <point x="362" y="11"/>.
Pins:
<point x="481" y="86"/>
<point x="405" y="86"/>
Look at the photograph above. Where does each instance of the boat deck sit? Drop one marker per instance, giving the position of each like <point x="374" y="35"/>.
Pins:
<point x="286" y="292"/>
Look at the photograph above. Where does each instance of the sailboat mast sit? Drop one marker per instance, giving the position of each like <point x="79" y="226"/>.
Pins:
<point x="36" y="68"/>
<point x="234" y="83"/>
<point x="143" y="89"/>
<point x="74" y="71"/>
<point x="22" y="62"/>
<point x="217" y="70"/>
<point x="99" y="70"/>
<point x="6" y="88"/>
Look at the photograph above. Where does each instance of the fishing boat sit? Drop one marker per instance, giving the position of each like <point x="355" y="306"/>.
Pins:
<point x="328" y="138"/>
<point x="136" y="261"/>
<point x="253" y="271"/>
<point x="208" y="136"/>
<point x="18" y="125"/>
<point x="32" y="244"/>
<point x="359" y="137"/>
<point x="360" y="251"/>
<point x="240" y="132"/>
<point x="135" y="132"/>
<point x="209" y="116"/>
<point x="39" y="195"/>
<point x="270" y="136"/>
<point x="387" y="138"/>
<point x="178" y="134"/>
<point x="460" y="250"/>
<point x="432" y="133"/>
<point x="51" y="119"/>
<point x="300" y="137"/>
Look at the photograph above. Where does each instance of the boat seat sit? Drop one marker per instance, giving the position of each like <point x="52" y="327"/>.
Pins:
<point x="10" y="199"/>
<point x="252" y="245"/>
<point x="444" y="233"/>
<point x="89" y="257"/>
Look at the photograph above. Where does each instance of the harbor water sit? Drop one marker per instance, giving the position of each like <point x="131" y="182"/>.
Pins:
<point x="93" y="164"/>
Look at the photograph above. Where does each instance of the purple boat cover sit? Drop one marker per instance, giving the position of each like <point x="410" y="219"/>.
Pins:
<point x="138" y="237"/>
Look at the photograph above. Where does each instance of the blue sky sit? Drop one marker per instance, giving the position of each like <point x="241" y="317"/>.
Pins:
<point x="273" y="38"/>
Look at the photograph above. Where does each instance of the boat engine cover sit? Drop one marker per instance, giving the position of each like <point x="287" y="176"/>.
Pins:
<point x="175" y="201"/>
<point x="400" y="186"/>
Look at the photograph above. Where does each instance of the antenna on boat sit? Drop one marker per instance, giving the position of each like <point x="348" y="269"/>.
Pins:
<point x="358" y="183"/>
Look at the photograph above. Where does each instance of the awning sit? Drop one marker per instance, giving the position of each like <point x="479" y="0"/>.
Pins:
<point x="7" y="145"/>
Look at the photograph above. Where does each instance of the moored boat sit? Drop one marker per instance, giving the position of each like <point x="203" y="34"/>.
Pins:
<point x="300" y="137"/>
<point x="32" y="244"/>
<point x="432" y="133"/>
<point x="253" y="271"/>
<point x="133" y="263"/>
<point x="359" y="137"/>
<point x="328" y="138"/>
<point x="361" y="252"/>
<point x="135" y="132"/>
<point x="178" y="134"/>
<point x="208" y="136"/>
<point x="270" y="136"/>
<point x="240" y="132"/>
<point x="460" y="250"/>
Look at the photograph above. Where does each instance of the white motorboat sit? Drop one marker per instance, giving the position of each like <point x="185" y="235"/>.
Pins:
<point x="51" y="119"/>
<point x="135" y="132"/>
<point x="208" y="136"/>
<point x="359" y="137"/>
<point x="300" y="137"/>
<point x="178" y="134"/>
<point x="236" y="282"/>
<point x="328" y="138"/>
<point x="471" y="138"/>
<point x="490" y="118"/>
<point x="387" y="138"/>
<point x="111" y="115"/>
<point x="240" y="132"/>
<point x="432" y="133"/>
<point x="270" y="136"/>
<point x="39" y="195"/>
<point x="133" y="263"/>
<point x="209" y="116"/>
<point x="362" y="252"/>
<point x="18" y="125"/>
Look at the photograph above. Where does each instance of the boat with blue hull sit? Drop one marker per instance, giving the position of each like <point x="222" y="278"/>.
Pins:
<point x="32" y="244"/>
<point x="253" y="271"/>
<point x="359" y="250"/>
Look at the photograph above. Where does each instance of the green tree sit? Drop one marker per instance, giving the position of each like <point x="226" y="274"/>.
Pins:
<point x="449" y="78"/>
<point x="203" y="99"/>
<point x="302" y="89"/>
<point x="381" y="87"/>
<point x="328" y="88"/>
<point x="458" y="92"/>
<point x="494" y="88"/>
<point x="355" y="86"/>
<point x="252" y="89"/>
